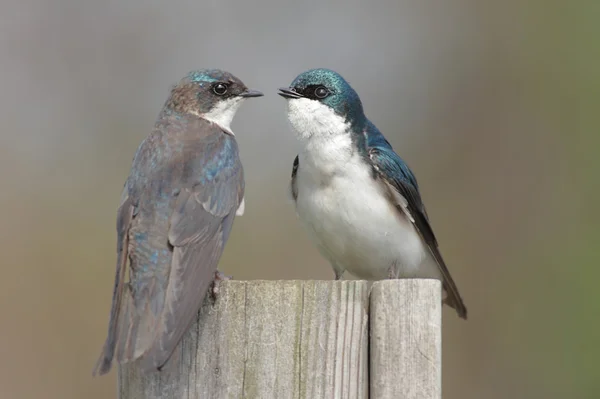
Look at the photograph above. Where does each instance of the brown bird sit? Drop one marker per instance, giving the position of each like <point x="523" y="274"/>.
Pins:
<point x="184" y="190"/>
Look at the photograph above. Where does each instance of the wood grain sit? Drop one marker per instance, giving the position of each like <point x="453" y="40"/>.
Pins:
<point x="406" y="339"/>
<point x="267" y="339"/>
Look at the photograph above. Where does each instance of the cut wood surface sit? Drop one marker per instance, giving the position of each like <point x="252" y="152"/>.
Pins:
<point x="267" y="339"/>
<point x="406" y="339"/>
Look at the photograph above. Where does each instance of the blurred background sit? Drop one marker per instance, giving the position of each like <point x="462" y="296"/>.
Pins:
<point x="490" y="103"/>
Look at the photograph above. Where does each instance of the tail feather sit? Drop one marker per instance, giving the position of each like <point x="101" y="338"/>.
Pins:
<point x="104" y="363"/>
<point x="125" y="214"/>
<point x="453" y="298"/>
<point x="455" y="302"/>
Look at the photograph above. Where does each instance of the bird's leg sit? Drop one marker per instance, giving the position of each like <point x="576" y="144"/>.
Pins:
<point x="393" y="271"/>
<point x="446" y="298"/>
<point x="339" y="272"/>
<point x="219" y="276"/>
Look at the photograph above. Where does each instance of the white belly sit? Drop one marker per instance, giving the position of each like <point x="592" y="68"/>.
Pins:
<point x="354" y="225"/>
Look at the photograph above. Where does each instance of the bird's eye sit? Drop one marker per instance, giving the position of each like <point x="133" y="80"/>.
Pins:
<point x="219" y="89"/>
<point x="321" y="92"/>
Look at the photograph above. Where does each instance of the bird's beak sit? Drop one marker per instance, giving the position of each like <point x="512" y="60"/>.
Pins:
<point x="288" y="93"/>
<point x="251" y="93"/>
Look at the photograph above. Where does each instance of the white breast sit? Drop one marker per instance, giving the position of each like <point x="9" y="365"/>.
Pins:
<point x="348" y="216"/>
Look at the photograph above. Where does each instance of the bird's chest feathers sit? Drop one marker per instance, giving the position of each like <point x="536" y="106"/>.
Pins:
<point x="336" y="188"/>
<point x="324" y="159"/>
<point x="348" y="214"/>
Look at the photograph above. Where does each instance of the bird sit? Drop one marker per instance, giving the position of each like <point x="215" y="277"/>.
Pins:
<point x="358" y="200"/>
<point x="185" y="187"/>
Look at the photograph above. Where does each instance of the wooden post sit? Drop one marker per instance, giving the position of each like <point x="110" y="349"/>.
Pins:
<point x="406" y="339"/>
<point x="304" y="339"/>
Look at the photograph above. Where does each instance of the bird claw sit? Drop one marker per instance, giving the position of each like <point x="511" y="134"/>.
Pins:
<point x="393" y="272"/>
<point x="219" y="276"/>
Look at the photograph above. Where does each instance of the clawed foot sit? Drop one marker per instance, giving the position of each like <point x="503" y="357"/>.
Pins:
<point x="393" y="272"/>
<point x="446" y="298"/>
<point x="219" y="276"/>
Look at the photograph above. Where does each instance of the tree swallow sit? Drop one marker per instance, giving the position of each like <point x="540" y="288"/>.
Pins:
<point x="357" y="198"/>
<point x="185" y="187"/>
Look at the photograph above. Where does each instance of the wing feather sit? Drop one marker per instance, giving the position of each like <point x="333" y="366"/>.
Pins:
<point x="199" y="228"/>
<point x="293" y="182"/>
<point x="205" y="183"/>
<point x="403" y="189"/>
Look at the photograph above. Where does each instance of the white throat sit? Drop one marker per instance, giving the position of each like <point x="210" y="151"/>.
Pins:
<point x="325" y="136"/>
<point x="312" y="119"/>
<point x="222" y="114"/>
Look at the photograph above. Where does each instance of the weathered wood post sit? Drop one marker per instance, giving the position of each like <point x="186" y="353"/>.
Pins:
<point x="305" y="339"/>
<point x="406" y="339"/>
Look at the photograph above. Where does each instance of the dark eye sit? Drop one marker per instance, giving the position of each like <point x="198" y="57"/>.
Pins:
<point x="321" y="92"/>
<point x="219" y="89"/>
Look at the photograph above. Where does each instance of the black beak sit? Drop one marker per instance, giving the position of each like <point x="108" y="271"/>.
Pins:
<point x="288" y="93"/>
<point x="251" y="93"/>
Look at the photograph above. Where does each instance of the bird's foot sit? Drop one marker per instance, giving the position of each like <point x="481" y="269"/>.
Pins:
<point x="219" y="276"/>
<point x="446" y="298"/>
<point x="393" y="272"/>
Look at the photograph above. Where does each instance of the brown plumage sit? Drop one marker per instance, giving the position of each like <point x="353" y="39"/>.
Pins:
<point x="176" y="213"/>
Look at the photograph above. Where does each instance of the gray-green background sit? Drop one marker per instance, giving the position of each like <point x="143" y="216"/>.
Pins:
<point x="491" y="103"/>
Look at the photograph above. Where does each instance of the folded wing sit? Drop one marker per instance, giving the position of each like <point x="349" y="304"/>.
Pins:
<point x="404" y="190"/>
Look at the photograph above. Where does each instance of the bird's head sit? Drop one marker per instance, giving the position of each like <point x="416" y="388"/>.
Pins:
<point x="321" y="102"/>
<point x="212" y="94"/>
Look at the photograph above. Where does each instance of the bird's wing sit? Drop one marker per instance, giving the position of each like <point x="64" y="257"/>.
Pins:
<point x="293" y="183"/>
<point x="199" y="228"/>
<point x="124" y="215"/>
<point x="404" y="191"/>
